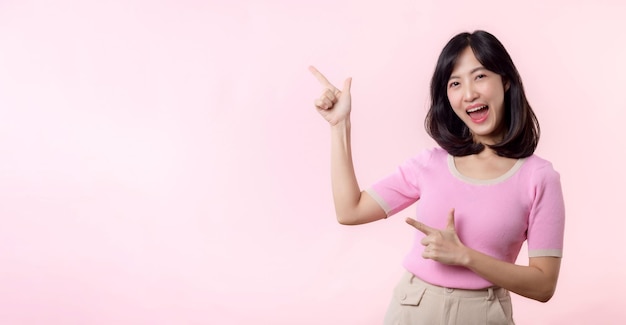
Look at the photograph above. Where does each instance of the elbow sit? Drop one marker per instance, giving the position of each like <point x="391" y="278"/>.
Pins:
<point x="357" y="216"/>
<point x="544" y="299"/>
<point x="346" y="220"/>
<point x="545" y="282"/>
<point x="546" y="295"/>
<point x="346" y="216"/>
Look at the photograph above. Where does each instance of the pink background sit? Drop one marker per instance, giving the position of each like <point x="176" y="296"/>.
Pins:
<point x="161" y="161"/>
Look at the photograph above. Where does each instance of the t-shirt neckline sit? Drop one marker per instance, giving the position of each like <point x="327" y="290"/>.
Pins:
<point x="455" y="172"/>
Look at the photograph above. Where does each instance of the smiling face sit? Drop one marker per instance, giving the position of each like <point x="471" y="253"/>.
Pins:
<point x="477" y="97"/>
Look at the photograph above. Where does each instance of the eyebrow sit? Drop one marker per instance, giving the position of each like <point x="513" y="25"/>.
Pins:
<point x="471" y="72"/>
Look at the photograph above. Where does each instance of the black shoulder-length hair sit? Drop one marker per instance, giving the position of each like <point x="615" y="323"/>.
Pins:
<point x="521" y="133"/>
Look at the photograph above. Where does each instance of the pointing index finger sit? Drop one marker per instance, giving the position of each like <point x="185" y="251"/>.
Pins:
<point x="320" y="77"/>
<point x="420" y="226"/>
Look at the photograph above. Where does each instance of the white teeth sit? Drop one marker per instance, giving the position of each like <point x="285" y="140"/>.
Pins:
<point x="476" y="109"/>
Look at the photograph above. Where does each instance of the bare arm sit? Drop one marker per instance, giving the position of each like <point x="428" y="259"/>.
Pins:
<point x="536" y="281"/>
<point x="352" y="205"/>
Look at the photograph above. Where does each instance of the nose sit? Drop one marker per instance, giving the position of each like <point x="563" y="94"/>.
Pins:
<point x="469" y="92"/>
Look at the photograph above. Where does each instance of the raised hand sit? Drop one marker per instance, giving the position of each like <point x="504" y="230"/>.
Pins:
<point x="441" y="245"/>
<point x="333" y="104"/>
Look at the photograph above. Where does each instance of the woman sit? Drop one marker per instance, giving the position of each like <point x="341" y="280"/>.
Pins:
<point x="479" y="196"/>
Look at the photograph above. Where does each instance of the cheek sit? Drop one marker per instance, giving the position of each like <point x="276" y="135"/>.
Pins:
<point x="494" y="91"/>
<point x="453" y="98"/>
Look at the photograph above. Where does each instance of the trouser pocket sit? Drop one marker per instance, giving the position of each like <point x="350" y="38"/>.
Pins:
<point x="409" y="295"/>
<point x="403" y="309"/>
<point x="500" y="311"/>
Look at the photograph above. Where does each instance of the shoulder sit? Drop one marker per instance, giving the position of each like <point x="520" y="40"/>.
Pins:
<point x="425" y="159"/>
<point x="428" y="156"/>
<point x="540" y="170"/>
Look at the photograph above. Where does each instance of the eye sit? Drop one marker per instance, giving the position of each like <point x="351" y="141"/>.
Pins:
<point x="480" y="76"/>
<point x="453" y="84"/>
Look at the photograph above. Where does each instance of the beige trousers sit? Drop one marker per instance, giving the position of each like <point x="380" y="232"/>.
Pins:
<point x="416" y="302"/>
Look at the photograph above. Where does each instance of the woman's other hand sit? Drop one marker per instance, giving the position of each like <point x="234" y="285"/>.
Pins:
<point x="333" y="104"/>
<point x="442" y="245"/>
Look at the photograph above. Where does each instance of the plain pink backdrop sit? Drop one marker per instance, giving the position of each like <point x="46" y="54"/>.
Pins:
<point x="161" y="161"/>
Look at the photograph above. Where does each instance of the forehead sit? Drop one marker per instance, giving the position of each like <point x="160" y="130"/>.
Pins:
<point x="465" y="63"/>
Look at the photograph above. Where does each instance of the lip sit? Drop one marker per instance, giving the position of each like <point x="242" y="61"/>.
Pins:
<point x="474" y="106"/>
<point x="482" y="119"/>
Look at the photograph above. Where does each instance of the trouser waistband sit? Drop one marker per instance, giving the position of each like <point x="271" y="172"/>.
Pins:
<point x="488" y="293"/>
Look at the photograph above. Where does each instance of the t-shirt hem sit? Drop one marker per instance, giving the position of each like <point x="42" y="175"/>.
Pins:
<point x="379" y="200"/>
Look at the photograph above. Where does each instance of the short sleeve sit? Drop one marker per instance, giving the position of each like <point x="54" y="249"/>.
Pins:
<point x="546" y="223"/>
<point x="402" y="188"/>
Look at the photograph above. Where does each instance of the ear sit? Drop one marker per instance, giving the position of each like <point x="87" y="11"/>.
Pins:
<point x="507" y="85"/>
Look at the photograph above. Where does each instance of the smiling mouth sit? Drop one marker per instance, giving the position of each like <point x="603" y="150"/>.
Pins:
<point x="478" y="113"/>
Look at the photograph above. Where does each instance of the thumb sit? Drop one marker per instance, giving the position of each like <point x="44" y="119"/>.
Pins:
<point x="346" y="86"/>
<point x="451" y="225"/>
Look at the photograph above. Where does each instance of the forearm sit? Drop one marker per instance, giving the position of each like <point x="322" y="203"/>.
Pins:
<point x="346" y="191"/>
<point x="537" y="281"/>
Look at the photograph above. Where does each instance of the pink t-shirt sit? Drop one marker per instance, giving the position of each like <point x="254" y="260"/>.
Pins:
<point x="491" y="216"/>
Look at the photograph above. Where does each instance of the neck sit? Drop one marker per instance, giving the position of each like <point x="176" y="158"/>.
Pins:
<point x="487" y="153"/>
